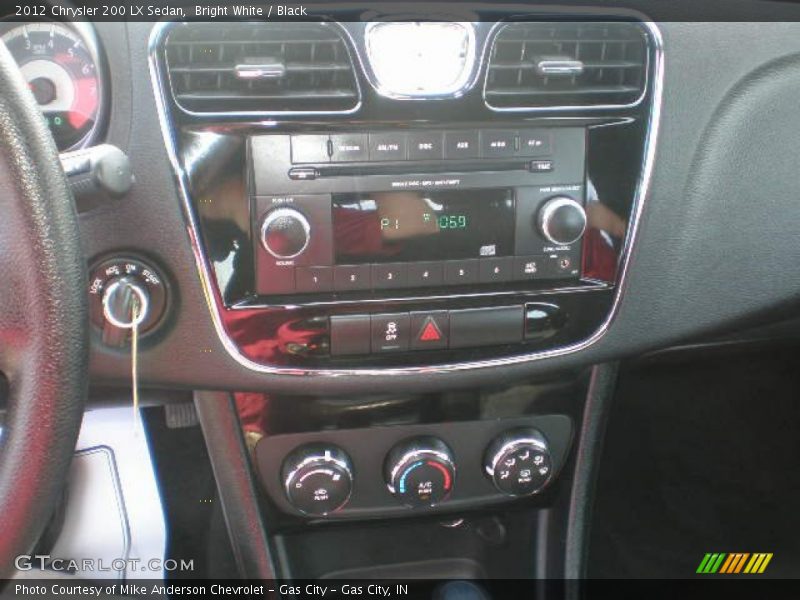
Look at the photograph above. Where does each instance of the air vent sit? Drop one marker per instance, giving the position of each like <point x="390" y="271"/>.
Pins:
<point x="563" y="64"/>
<point x="260" y="68"/>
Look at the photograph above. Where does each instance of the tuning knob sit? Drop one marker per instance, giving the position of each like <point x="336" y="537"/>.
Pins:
<point x="318" y="479"/>
<point x="285" y="233"/>
<point x="519" y="462"/>
<point x="562" y="220"/>
<point x="420" y="471"/>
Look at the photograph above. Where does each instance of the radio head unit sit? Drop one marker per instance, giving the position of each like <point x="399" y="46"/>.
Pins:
<point x="496" y="219"/>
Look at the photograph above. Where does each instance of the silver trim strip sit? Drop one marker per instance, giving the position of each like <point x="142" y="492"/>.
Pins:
<point x="654" y="41"/>
<point x="560" y="67"/>
<point x="204" y="269"/>
<point x="262" y="71"/>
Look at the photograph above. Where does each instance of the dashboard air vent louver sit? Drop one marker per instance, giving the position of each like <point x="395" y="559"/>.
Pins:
<point x="565" y="64"/>
<point x="260" y="68"/>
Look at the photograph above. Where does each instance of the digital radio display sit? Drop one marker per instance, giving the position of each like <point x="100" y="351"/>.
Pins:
<point x="408" y="226"/>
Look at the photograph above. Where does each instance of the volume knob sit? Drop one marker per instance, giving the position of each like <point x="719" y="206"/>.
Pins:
<point x="562" y="220"/>
<point x="285" y="233"/>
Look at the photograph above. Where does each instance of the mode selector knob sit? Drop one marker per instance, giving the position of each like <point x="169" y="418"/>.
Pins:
<point x="562" y="220"/>
<point x="519" y="462"/>
<point x="420" y="471"/>
<point x="285" y="233"/>
<point x="318" y="478"/>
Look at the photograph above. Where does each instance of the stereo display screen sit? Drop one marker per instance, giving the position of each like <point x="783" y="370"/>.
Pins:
<point x="410" y="226"/>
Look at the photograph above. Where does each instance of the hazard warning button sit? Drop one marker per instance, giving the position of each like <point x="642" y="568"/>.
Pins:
<point x="430" y="330"/>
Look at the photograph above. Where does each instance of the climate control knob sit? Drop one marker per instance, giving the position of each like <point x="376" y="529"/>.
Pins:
<point x="318" y="479"/>
<point x="562" y="220"/>
<point x="420" y="471"/>
<point x="519" y="462"/>
<point x="285" y="233"/>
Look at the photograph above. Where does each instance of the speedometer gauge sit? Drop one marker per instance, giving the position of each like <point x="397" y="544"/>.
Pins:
<point x="62" y="72"/>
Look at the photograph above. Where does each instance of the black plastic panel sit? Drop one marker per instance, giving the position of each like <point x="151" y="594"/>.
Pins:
<point x="368" y="448"/>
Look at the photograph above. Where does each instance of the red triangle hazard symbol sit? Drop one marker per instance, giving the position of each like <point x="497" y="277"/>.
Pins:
<point x="430" y="332"/>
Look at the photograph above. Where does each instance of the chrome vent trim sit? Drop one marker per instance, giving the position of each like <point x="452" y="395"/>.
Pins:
<point x="603" y="65"/>
<point x="260" y="68"/>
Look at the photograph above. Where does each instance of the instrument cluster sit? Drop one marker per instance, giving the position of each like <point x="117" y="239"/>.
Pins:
<point x="63" y="67"/>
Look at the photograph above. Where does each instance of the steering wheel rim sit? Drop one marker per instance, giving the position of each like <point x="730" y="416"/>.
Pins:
<point x="44" y="333"/>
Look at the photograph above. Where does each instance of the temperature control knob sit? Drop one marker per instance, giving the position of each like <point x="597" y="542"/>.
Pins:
<point x="519" y="462"/>
<point x="420" y="471"/>
<point x="318" y="479"/>
<point x="285" y="233"/>
<point x="562" y="220"/>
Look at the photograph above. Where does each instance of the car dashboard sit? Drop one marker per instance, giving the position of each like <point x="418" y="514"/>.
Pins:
<point x="394" y="257"/>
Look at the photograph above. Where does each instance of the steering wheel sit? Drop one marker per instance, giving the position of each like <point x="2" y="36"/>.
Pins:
<point x="44" y="332"/>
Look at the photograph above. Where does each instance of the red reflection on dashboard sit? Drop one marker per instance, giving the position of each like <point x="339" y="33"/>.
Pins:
<point x="599" y="256"/>
<point x="265" y="337"/>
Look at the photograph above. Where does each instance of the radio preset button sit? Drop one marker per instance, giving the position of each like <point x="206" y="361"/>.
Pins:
<point x="314" y="279"/>
<point x="389" y="275"/>
<point x="349" y="147"/>
<point x="527" y="268"/>
<point x="425" y="274"/>
<point x="461" y="144"/>
<point x="496" y="270"/>
<point x="310" y="148"/>
<point x="425" y="145"/>
<point x="498" y="144"/>
<point x="534" y="142"/>
<point x="390" y="332"/>
<point x="459" y="272"/>
<point x="387" y="146"/>
<point x="351" y="277"/>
